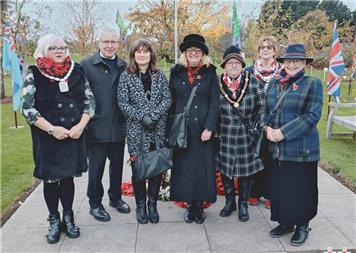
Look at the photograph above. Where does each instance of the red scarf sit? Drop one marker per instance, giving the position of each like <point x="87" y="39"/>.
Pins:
<point x="266" y="74"/>
<point x="232" y="85"/>
<point x="55" y="69"/>
<point x="192" y="73"/>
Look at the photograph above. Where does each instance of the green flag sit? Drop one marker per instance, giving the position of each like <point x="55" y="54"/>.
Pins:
<point x="120" y="23"/>
<point x="235" y="26"/>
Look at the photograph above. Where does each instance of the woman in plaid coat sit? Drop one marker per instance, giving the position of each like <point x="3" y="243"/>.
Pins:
<point x="241" y="104"/>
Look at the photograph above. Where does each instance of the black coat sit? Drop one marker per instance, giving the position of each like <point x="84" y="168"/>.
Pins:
<point x="108" y="124"/>
<point x="57" y="159"/>
<point x="193" y="175"/>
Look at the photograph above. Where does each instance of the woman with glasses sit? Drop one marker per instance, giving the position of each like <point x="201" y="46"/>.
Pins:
<point x="265" y="67"/>
<point x="144" y="98"/>
<point x="58" y="103"/>
<point x="193" y="175"/>
<point x="293" y="150"/>
<point x="241" y="104"/>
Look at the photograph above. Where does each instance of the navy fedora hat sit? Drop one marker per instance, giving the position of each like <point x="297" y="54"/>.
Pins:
<point x="295" y="51"/>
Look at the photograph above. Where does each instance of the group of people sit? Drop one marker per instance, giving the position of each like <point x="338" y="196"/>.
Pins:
<point x="81" y="114"/>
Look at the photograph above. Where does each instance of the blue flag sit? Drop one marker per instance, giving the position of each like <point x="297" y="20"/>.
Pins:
<point x="10" y="62"/>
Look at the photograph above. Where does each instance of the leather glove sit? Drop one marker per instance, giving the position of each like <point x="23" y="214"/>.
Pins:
<point x="149" y="123"/>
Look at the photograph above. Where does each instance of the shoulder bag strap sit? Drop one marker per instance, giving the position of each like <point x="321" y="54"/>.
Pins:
<point x="190" y="100"/>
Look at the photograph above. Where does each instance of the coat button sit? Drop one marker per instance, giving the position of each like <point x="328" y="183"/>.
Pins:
<point x="72" y="119"/>
<point x="71" y="105"/>
<point x="61" y="119"/>
<point x="196" y="107"/>
<point x="59" y="105"/>
<point x="106" y="71"/>
<point x="183" y="83"/>
<point x="195" y="118"/>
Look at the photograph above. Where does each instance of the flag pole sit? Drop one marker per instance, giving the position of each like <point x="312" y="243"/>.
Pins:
<point x="15" y="116"/>
<point x="327" y="115"/>
<point x="175" y="31"/>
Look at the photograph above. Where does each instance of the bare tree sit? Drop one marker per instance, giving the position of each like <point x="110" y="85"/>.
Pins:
<point x="83" y="20"/>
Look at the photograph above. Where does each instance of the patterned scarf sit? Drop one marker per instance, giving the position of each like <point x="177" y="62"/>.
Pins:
<point x="55" y="69"/>
<point x="285" y="78"/>
<point x="266" y="74"/>
<point x="233" y="85"/>
<point x="192" y="73"/>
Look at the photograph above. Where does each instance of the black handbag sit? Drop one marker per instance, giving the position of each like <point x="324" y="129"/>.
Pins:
<point x="152" y="163"/>
<point x="177" y="125"/>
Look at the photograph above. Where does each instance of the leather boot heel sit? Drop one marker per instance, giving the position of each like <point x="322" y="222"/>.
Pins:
<point x="300" y="235"/>
<point x="54" y="228"/>
<point x="69" y="226"/>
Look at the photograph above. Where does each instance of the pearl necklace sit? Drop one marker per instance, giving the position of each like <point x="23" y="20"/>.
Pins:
<point x="63" y="79"/>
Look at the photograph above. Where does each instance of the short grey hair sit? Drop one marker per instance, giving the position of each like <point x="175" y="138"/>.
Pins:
<point x="43" y="44"/>
<point x="112" y="30"/>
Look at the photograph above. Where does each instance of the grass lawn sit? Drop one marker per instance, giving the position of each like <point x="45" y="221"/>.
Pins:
<point x="16" y="152"/>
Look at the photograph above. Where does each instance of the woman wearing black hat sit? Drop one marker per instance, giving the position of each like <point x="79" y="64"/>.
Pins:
<point x="294" y="105"/>
<point x="193" y="176"/>
<point x="242" y="102"/>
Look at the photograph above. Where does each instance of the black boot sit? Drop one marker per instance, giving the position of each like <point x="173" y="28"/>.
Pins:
<point x="244" y="191"/>
<point x="153" y="190"/>
<point x="189" y="214"/>
<point x="199" y="213"/>
<point x="139" y="188"/>
<point x="300" y="235"/>
<point x="230" y="203"/>
<point x="69" y="226"/>
<point x="54" y="229"/>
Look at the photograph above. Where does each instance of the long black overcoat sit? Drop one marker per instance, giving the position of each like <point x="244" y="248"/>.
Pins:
<point x="193" y="175"/>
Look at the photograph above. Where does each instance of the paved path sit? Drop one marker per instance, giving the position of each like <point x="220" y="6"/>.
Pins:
<point x="334" y="226"/>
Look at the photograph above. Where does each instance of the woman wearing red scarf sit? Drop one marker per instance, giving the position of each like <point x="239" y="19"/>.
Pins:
<point x="193" y="175"/>
<point x="264" y="68"/>
<point x="294" y="103"/>
<point x="58" y="103"/>
<point x="242" y="102"/>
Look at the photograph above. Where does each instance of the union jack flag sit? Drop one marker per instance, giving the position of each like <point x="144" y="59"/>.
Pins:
<point x="336" y="66"/>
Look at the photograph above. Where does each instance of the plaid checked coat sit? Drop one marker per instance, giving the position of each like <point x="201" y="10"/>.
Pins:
<point x="235" y="156"/>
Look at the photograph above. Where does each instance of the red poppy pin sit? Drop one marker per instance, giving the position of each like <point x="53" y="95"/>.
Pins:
<point x="295" y="87"/>
<point x="198" y="77"/>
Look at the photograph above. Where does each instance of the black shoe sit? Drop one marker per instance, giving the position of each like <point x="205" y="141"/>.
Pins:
<point x="120" y="205"/>
<point x="100" y="213"/>
<point x="243" y="211"/>
<point x="189" y="214"/>
<point x="199" y="214"/>
<point x="300" y="235"/>
<point x="230" y="206"/>
<point x="153" y="215"/>
<point x="54" y="228"/>
<point x="281" y="230"/>
<point x="69" y="226"/>
<point x="141" y="213"/>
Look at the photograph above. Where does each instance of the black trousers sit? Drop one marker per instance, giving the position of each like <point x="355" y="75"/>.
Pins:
<point x="97" y="155"/>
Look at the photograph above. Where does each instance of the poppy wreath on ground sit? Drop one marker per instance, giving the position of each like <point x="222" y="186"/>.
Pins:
<point x="127" y="190"/>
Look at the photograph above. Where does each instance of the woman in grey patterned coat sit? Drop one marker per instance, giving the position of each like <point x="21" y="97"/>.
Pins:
<point x="144" y="98"/>
<point x="241" y="103"/>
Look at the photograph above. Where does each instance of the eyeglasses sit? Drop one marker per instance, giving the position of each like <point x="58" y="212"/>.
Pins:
<point x="60" y="49"/>
<point x="194" y="50"/>
<point x="267" y="47"/>
<point x="107" y="42"/>
<point x="231" y="63"/>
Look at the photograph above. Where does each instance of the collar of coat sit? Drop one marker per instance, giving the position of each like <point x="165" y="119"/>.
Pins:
<point x="179" y="68"/>
<point x="98" y="60"/>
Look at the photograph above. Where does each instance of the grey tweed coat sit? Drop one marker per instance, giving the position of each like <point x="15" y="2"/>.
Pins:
<point x="235" y="156"/>
<point x="135" y="105"/>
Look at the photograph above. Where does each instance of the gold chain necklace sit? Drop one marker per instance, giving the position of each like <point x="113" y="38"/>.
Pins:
<point x="236" y="103"/>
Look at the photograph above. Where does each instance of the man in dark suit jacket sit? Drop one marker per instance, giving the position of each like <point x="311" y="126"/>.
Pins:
<point x="106" y="131"/>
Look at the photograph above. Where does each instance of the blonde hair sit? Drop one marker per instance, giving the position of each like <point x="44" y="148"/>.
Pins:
<point x="45" y="42"/>
<point x="205" y="60"/>
<point x="271" y="40"/>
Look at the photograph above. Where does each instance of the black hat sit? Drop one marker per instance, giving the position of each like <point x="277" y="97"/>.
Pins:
<point x="233" y="52"/>
<point x="194" y="40"/>
<point x="295" y="51"/>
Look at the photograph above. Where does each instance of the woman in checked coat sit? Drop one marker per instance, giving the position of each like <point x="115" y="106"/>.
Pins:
<point x="144" y="98"/>
<point x="241" y="103"/>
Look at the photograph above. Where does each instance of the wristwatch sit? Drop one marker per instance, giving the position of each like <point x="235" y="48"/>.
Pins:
<point x="50" y="130"/>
